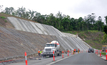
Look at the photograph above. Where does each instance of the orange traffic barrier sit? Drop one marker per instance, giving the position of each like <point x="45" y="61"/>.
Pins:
<point x="68" y="53"/>
<point x="97" y="52"/>
<point x="53" y="56"/>
<point x="106" y="54"/>
<point x="62" y="54"/>
<point x="25" y="58"/>
<point x="100" y="53"/>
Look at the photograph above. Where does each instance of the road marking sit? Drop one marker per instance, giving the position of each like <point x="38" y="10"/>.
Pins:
<point x="58" y="60"/>
<point x="103" y="57"/>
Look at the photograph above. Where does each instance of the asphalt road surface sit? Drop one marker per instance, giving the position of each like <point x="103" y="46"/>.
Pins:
<point x="77" y="59"/>
<point x="82" y="59"/>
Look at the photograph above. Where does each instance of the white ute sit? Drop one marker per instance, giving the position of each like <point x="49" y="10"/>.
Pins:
<point x="50" y="47"/>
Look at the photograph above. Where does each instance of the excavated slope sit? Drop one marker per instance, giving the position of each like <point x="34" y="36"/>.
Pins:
<point x="66" y="41"/>
<point x="14" y="43"/>
<point x="30" y="37"/>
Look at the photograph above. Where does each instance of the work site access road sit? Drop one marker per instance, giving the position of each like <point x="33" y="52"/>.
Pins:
<point x="38" y="61"/>
<point x="82" y="59"/>
<point x="77" y="59"/>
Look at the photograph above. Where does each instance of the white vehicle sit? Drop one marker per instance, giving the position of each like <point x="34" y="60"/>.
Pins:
<point x="50" y="47"/>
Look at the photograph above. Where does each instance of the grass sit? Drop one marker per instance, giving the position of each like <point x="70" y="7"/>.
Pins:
<point x="103" y="53"/>
<point x="72" y="32"/>
<point x="94" y="31"/>
<point x="7" y="15"/>
<point x="88" y="41"/>
<point x="2" y="17"/>
<point x="92" y="37"/>
<point x="5" y="21"/>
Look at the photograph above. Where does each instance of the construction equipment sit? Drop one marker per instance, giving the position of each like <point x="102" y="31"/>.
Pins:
<point x="50" y="47"/>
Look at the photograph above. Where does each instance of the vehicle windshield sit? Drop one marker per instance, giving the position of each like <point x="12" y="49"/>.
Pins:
<point x="50" y="45"/>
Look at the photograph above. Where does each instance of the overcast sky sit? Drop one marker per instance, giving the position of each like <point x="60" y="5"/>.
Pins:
<point x="73" y="8"/>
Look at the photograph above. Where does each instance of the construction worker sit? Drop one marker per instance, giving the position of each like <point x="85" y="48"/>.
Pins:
<point x="39" y="53"/>
<point x="74" y="51"/>
<point x="78" y="50"/>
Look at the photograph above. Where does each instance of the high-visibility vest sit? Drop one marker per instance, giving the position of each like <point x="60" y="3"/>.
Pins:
<point x="38" y="51"/>
<point x="74" y="49"/>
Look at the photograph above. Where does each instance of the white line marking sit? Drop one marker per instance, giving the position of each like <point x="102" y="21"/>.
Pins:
<point x="58" y="60"/>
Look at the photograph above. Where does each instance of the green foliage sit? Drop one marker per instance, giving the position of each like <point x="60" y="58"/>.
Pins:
<point x="88" y="41"/>
<point x="104" y="39"/>
<point x="72" y="32"/>
<point x="82" y="34"/>
<point x="93" y="47"/>
<point x="103" y="53"/>
<point x="2" y="17"/>
<point x="106" y="19"/>
<point x="5" y="21"/>
<point x="92" y="37"/>
<point x="105" y="29"/>
<point x="60" y="21"/>
<point x="93" y="31"/>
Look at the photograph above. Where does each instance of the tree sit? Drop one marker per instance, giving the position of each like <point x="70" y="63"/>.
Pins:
<point x="79" y="25"/>
<point x="7" y="10"/>
<point x="105" y="35"/>
<point x="11" y="10"/>
<point x="59" y="19"/>
<point x="100" y="23"/>
<point x="66" y="23"/>
<point x="31" y="14"/>
<point x="1" y="8"/>
<point x="21" y="12"/>
<point x="105" y="29"/>
<point x="63" y="23"/>
<point x="106" y="19"/>
<point x="90" y="21"/>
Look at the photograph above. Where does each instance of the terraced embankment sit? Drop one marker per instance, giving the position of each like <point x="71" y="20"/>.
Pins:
<point x="14" y="43"/>
<point x="30" y="37"/>
<point x="66" y="41"/>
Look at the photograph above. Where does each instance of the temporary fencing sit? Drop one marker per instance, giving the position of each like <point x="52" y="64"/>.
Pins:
<point x="25" y="58"/>
<point x="100" y="53"/>
<point x="53" y="56"/>
<point x="62" y="54"/>
<point x="106" y="54"/>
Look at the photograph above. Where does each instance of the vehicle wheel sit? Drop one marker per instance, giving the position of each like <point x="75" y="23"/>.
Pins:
<point x="44" y="56"/>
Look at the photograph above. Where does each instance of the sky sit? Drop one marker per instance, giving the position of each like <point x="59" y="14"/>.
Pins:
<point x="73" y="8"/>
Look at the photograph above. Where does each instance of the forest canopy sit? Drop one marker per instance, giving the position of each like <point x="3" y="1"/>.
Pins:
<point x="59" y="21"/>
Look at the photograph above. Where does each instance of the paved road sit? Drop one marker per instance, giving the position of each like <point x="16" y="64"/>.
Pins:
<point x="82" y="59"/>
<point x="43" y="61"/>
<point x="77" y="59"/>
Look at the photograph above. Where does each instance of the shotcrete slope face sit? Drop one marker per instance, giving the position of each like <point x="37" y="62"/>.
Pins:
<point x="14" y="43"/>
<point x="67" y="41"/>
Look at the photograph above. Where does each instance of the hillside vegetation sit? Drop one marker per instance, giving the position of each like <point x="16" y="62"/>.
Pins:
<point x="93" y="38"/>
<point x="60" y="21"/>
